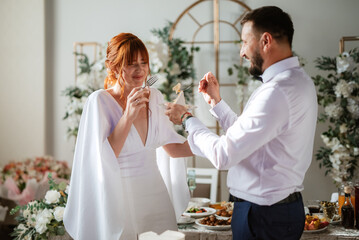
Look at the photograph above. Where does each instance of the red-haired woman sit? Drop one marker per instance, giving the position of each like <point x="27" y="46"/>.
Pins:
<point x="117" y="189"/>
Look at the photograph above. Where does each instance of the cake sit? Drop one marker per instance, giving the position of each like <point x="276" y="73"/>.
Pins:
<point x="180" y="98"/>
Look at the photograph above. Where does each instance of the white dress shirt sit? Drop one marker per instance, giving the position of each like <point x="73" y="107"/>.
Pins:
<point x="268" y="148"/>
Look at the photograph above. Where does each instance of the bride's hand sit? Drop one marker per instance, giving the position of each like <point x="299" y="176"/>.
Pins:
<point x="136" y="100"/>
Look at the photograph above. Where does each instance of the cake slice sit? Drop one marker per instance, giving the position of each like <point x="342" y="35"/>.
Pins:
<point x="180" y="98"/>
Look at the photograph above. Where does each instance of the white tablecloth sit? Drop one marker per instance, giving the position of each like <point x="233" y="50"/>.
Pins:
<point x="333" y="232"/>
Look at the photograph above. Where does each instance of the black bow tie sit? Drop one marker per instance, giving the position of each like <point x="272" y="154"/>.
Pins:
<point x="259" y="78"/>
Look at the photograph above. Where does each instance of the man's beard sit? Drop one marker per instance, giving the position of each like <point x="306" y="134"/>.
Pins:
<point x="257" y="62"/>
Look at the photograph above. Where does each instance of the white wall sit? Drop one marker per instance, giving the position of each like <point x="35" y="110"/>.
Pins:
<point x="319" y="25"/>
<point x="22" y="80"/>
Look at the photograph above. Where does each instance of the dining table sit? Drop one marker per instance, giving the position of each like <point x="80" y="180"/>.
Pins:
<point x="331" y="232"/>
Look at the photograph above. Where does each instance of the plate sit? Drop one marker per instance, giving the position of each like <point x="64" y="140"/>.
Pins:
<point x="315" y="231"/>
<point x="221" y="217"/>
<point x="336" y="222"/>
<point x="218" y="228"/>
<point x="185" y="220"/>
<point x="209" y="212"/>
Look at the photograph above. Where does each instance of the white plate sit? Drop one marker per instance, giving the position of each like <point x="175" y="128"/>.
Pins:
<point x="220" y="217"/>
<point x="185" y="220"/>
<point x="218" y="228"/>
<point x="209" y="212"/>
<point x="315" y="231"/>
<point x="336" y="222"/>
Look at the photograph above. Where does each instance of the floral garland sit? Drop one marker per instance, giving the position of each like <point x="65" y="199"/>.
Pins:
<point x="172" y="61"/>
<point x="338" y="93"/>
<point x="41" y="219"/>
<point x="89" y="79"/>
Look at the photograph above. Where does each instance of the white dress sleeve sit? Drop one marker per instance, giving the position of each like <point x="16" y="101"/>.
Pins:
<point x="90" y="213"/>
<point x="173" y="170"/>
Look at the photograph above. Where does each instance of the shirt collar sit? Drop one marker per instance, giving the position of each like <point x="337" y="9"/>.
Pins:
<point x="279" y="67"/>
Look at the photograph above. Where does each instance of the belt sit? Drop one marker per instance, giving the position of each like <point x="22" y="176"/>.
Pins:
<point x="291" y="198"/>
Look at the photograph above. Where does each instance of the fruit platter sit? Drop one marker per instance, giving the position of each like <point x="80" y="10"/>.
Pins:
<point x="315" y="224"/>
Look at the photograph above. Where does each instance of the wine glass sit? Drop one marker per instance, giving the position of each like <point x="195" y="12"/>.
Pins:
<point x="191" y="181"/>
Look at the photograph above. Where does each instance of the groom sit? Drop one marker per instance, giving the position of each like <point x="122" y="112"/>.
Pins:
<point x="268" y="148"/>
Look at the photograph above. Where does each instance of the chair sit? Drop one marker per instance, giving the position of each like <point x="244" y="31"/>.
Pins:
<point x="208" y="176"/>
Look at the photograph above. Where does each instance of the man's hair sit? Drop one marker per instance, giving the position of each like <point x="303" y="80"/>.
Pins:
<point x="273" y="20"/>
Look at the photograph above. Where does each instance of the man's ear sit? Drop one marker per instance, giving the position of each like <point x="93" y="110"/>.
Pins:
<point x="266" y="41"/>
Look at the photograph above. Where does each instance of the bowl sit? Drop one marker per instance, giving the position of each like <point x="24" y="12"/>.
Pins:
<point x="199" y="202"/>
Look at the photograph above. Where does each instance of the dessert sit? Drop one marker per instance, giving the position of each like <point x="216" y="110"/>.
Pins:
<point x="180" y="98"/>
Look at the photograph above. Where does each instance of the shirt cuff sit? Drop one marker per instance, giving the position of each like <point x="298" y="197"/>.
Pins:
<point x="194" y="124"/>
<point x="220" y="109"/>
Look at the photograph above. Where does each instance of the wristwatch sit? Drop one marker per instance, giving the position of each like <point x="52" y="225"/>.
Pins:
<point x="185" y="119"/>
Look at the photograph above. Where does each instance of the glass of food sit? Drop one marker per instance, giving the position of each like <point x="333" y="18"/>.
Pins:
<point x="313" y="206"/>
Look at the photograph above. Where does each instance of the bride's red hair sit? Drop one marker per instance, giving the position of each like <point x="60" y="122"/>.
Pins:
<point x="122" y="50"/>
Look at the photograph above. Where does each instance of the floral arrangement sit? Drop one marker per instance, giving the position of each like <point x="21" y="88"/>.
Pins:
<point x="44" y="218"/>
<point x="338" y="94"/>
<point x="22" y="178"/>
<point x="172" y="62"/>
<point x="89" y="79"/>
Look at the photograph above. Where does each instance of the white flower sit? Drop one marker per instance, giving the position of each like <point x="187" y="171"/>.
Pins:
<point x="355" y="151"/>
<point x="175" y="69"/>
<point x="343" y="128"/>
<point x="339" y="148"/>
<point x="333" y="110"/>
<point x="82" y="80"/>
<point x="344" y="63"/>
<point x="158" y="52"/>
<point x="67" y="189"/>
<point x="59" y="213"/>
<point x="52" y="196"/>
<point x="42" y="219"/>
<point x="26" y="213"/>
<point x="326" y="140"/>
<point x="343" y="88"/>
<point x="22" y="227"/>
<point x="353" y="107"/>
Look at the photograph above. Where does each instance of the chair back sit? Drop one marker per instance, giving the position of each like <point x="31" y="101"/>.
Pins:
<point x="207" y="176"/>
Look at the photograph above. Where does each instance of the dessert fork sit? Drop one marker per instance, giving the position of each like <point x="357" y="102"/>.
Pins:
<point x="151" y="81"/>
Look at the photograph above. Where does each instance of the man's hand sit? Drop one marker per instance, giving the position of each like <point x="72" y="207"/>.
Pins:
<point x="174" y="112"/>
<point x="209" y="88"/>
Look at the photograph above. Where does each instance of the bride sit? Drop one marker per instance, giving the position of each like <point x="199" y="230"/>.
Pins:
<point x="119" y="186"/>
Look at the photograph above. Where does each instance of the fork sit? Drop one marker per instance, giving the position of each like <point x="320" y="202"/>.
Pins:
<point x="151" y="81"/>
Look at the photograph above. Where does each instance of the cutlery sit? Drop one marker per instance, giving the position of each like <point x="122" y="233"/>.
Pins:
<point x="151" y="81"/>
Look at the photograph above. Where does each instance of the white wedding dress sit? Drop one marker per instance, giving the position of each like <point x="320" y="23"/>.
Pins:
<point x="121" y="197"/>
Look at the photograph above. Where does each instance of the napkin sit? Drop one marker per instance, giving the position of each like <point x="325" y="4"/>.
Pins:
<point x="167" y="235"/>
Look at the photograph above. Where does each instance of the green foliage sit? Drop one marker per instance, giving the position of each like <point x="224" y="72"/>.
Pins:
<point x="242" y="73"/>
<point x="28" y="223"/>
<point x="180" y="56"/>
<point x="338" y="92"/>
